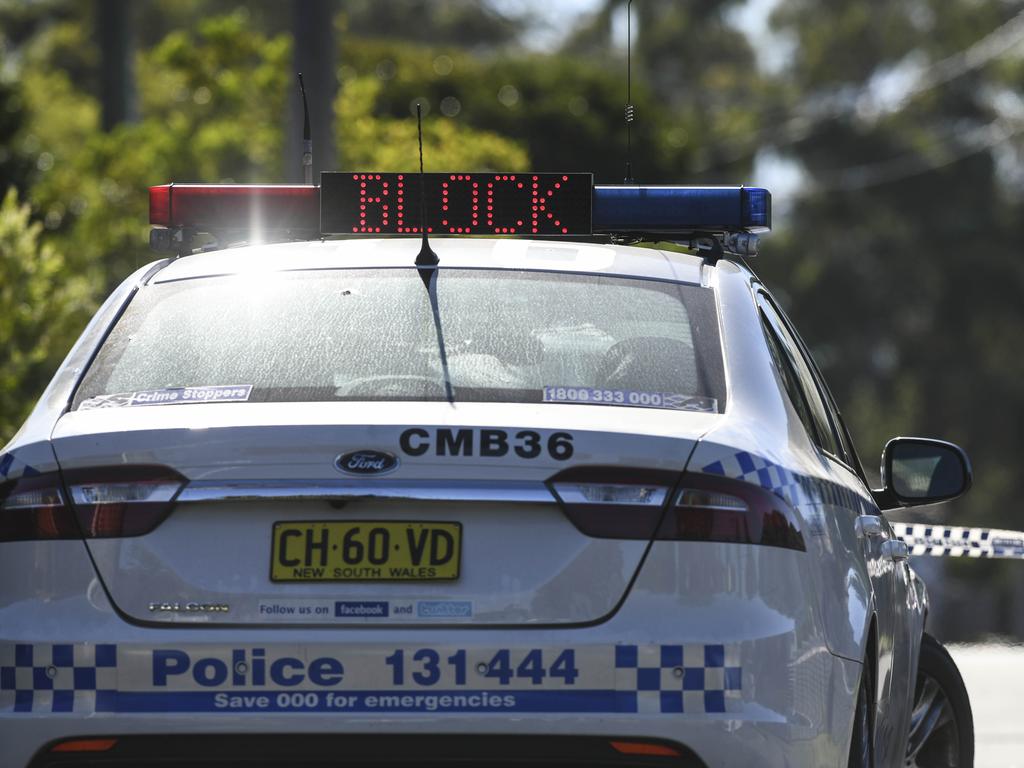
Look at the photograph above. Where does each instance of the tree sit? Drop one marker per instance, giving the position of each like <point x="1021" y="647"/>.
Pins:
<point x="900" y="256"/>
<point x="117" y="86"/>
<point x="700" y="91"/>
<point x="43" y="305"/>
<point x="373" y="142"/>
<point x="464" y="24"/>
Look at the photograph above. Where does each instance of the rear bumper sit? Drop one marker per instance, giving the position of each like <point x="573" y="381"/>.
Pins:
<point x="813" y="732"/>
<point x="370" y="750"/>
<point x="704" y="742"/>
<point x="739" y="676"/>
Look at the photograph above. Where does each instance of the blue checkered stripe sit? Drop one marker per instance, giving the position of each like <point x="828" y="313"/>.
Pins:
<point x="795" y="488"/>
<point x="9" y="464"/>
<point x="58" y="678"/>
<point x="687" y="679"/>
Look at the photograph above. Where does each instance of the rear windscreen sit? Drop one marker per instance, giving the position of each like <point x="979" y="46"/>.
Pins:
<point x="378" y="334"/>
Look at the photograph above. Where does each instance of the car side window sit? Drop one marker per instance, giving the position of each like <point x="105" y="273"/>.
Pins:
<point x="823" y="430"/>
<point x="789" y="379"/>
<point x="847" y="452"/>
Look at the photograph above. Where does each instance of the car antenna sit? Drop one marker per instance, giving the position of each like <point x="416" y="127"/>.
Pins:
<point x="426" y="259"/>
<point x="630" y="108"/>
<point x="427" y="262"/>
<point x="307" y="140"/>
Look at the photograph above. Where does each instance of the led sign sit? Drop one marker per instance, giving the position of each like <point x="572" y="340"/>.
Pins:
<point x="535" y="204"/>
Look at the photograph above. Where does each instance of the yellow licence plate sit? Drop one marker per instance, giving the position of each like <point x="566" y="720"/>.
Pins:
<point x="365" y="550"/>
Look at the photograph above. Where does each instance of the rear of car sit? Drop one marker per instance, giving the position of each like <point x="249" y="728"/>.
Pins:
<point x="292" y="491"/>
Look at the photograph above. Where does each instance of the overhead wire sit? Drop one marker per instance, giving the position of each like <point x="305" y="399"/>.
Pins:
<point x="912" y="164"/>
<point x="1000" y="41"/>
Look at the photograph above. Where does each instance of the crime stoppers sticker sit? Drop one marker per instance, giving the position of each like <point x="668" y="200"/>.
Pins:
<point x="232" y="393"/>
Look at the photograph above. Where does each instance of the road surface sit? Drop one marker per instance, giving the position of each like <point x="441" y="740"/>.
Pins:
<point x="994" y="675"/>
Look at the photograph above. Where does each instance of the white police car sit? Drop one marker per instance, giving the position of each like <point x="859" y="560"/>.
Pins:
<point x="545" y="502"/>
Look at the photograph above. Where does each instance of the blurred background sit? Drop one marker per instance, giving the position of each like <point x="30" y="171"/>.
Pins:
<point x="889" y="132"/>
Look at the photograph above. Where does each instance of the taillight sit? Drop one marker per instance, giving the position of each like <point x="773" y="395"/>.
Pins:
<point x="99" y="502"/>
<point x="122" y="501"/>
<point x="35" y="508"/>
<point x="615" y="503"/>
<point x="712" y="508"/>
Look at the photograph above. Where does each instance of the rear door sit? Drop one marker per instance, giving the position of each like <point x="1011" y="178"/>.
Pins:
<point x="890" y="581"/>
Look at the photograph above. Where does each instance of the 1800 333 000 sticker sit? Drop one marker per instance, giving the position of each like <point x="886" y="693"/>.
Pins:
<point x="652" y="679"/>
<point x="627" y="397"/>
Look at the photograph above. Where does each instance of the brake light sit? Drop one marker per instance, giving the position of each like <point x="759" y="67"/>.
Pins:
<point x="35" y="508"/>
<point x="105" y="502"/>
<point x="712" y="508"/>
<point x="618" y="503"/>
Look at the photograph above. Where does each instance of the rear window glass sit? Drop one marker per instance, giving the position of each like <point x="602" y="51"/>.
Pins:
<point x="373" y="334"/>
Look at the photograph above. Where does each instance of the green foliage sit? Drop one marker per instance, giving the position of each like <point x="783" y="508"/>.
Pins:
<point x="44" y="307"/>
<point x="210" y="111"/>
<point x="15" y="163"/>
<point x="566" y="112"/>
<point x="369" y="141"/>
<point x="463" y="23"/>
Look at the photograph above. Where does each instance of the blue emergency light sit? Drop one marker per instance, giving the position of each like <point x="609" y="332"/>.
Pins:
<point x="671" y="209"/>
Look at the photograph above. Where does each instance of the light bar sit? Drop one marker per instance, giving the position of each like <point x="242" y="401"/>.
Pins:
<point x="530" y="204"/>
<point x="219" y="207"/>
<point x="670" y="209"/>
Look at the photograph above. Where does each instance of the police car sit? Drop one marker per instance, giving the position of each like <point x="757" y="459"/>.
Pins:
<point x="508" y="501"/>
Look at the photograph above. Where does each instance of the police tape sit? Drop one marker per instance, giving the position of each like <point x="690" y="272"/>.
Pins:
<point x="955" y="541"/>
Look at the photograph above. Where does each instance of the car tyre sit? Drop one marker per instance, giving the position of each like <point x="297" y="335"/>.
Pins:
<point x="861" y="748"/>
<point x="941" y="724"/>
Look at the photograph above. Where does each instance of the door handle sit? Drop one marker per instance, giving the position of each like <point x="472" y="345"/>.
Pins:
<point x="869" y="526"/>
<point x="895" y="550"/>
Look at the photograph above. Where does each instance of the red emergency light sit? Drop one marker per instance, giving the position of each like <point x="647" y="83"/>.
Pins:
<point x="228" y="207"/>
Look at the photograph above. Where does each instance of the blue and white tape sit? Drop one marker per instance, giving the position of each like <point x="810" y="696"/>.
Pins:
<point x="957" y="541"/>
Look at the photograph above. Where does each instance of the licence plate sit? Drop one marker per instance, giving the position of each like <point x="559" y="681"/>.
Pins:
<point x="364" y="550"/>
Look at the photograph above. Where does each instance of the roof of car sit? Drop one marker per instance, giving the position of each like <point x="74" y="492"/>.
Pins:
<point x="453" y="252"/>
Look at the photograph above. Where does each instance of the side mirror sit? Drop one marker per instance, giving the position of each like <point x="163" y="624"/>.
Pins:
<point x="917" y="471"/>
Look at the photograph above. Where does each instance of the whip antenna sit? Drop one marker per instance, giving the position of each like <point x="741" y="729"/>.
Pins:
<point x="307" y="140"/>
<point x="427" y="262"/>
<point x="426" y="257"/>
<point x="630" y="108"/>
